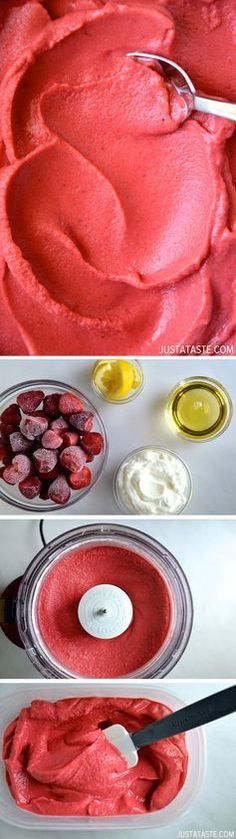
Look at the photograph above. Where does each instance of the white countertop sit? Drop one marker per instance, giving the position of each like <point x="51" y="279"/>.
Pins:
<point x="141" y="422"/>
<point x="206" y="551"/>
<point x="214" y="808"/>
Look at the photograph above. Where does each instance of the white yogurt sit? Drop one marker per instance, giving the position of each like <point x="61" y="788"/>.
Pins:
<point x="153" y="481"/>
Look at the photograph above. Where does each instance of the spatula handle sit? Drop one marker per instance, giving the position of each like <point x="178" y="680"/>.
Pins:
<point x="199" y="713"/>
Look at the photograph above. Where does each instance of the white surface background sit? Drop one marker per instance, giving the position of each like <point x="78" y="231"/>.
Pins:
<point x="141" y="422"/>
<point x="214" y="808"/>
<point x="206" y="551"/>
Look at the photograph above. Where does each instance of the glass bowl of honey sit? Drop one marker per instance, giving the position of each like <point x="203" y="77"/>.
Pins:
<point x="199" y="408"/>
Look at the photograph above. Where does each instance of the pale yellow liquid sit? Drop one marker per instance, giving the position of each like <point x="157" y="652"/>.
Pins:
<point x="197" y="410"/>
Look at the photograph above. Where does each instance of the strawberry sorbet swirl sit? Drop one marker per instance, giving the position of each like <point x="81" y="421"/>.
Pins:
<point x="117" y="207"/>
<point x="59" y="762"/>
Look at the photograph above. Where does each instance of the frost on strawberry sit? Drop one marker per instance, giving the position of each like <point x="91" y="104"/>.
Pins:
<point x="82" y="421"/>
<point x="72" y="458"/>
<point x="59" y="490"/>
<point x="70" y="404"/>
<point x="32" y="427"/>
<point x="45" y="460"/>
<point x="30" y="400"/>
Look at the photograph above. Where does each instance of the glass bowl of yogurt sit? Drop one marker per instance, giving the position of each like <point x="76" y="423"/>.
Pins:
<point x="112" y="559"/>
<point x="132" y="693"/>
<point x="10" y="493"/>
<point x="152" y="480"/>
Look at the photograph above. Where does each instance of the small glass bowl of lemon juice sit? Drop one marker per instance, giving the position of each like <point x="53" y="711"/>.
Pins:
<point x="117" y="380"/>
<point x="199" y="408"/>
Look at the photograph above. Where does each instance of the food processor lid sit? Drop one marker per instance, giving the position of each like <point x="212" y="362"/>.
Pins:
<point x="105" y="611"/>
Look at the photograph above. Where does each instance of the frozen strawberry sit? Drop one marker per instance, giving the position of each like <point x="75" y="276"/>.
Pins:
<point x="4" y="451"/>
<point x="18" y="442"/>
<point x="51" y="405"/>
<point x="80" y="479"/>
<point x="44" y="460"/>
<point x="59" y="425"/>
<point x="70" y="438"/>
<point x="51" y="440"/>
<point x="72" y="458"/>
<point x="32" y="427"/>
<point x="44" y="490"/>
<point x="6" y="429"/>
<point x="1" y="471"/>
<point x="70" y="404"/>
<point x="30" y="487"/>
<point x="82" y="421"/>
<point x="11" y="415"/>
<point x="29" y="400"/>
<point x="49" y="476"/>
<point x="20" y="468"/>
<point x="39" y="414"/>
<point x="59" y="491"/>
<point x="92" y="442"/>
<point x="7" y="459"/>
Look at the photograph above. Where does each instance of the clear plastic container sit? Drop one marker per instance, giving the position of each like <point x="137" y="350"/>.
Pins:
<point x="105" y="534"/>
<point x="116" y="491"/>
<point x="11" y="494"/>
<point x="16" y="699"/>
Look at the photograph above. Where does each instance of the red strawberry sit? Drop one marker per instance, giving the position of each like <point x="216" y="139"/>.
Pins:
<point x="45" y="460"/>
<point x="70" y="404"/>
<point x="80" y="479"/>
<point x="7" y="459"/>
<point x="18" y="442"/>
<point x="49" y="476"/>
<point x="82" y="421"/>
<point x="59" y="491"/>
<point x="33" y="427"/>
<point x="29" y="400"/>
<point x="30" y="487"/>
<point x="11" y="415"/>
<point x="4" y="451"/>
<point x="92" y="442"/>
<point x="20" y="468"/>
<point x="72" y="458"/>
<point x="6" y="429"/>
<point x="51" y="440"/>
<point x="44" y="491"/>
<point x="51" y="405"/>
<point x="59" y="425"/>
<point x="70" y="438"/>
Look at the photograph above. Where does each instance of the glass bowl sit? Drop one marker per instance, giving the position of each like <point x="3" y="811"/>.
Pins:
<point x="221" y="397"/>
<point x="132" y="393"/>
<point x="10" y="494"/>
<point x="130" y="509"/>
<point x="105" y="534"/>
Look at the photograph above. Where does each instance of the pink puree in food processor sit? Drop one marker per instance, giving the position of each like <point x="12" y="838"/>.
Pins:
<point x="57" y="611"/>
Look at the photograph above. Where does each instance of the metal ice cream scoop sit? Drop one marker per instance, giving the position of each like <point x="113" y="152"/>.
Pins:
<point x="185" y="87"/>
<point x="191" y="716"/>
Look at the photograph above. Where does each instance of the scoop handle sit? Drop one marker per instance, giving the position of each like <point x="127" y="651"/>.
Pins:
<point x="199" y="713"/>
<point x="218" y="107"/>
